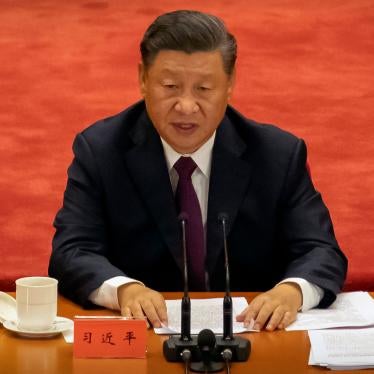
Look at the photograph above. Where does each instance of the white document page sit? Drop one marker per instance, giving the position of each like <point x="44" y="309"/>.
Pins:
<point x="342" y="349"/>
<point x="350" y="309"/>
<point x="205" y="314"/>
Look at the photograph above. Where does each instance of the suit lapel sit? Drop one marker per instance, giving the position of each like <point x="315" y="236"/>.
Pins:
<point x="229" y="181"/>
<point x="147" y="166"/>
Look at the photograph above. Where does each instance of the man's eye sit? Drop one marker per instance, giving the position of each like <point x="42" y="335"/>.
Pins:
<point x="203" y="88"/>
<point x="170" y="86"/>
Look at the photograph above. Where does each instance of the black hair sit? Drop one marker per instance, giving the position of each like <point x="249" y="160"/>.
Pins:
<point x="188" y="31"/>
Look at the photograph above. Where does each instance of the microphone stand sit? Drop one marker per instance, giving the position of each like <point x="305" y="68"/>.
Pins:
<point x="229" y="347"/>
<point x="186" y="302"/>
<point x="207" y="351"/>
<point x="183" y="348"/>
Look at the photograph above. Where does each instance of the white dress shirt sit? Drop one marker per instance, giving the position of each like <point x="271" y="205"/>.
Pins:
<point x="106" y="294"/>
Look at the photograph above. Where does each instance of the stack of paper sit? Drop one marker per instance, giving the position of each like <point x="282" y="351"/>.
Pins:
<point x="350" y="309"/>
<point x="346" y="349"/>
<point x="348" y="344"/>
<point x="205" y="314"/>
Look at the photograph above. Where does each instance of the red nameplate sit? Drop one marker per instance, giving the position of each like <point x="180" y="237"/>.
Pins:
<point x="109" y="337"/>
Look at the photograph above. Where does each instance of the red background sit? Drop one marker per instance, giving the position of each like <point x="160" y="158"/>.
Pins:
<point x="307" y="66"/>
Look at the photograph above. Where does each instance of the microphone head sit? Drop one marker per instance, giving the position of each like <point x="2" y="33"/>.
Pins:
<point x="223" y="217"/>
<point x="183" y="216"/>
<point x="206" y="338"/>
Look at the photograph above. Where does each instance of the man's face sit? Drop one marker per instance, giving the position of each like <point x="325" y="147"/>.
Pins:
<point x="186" y="96"/>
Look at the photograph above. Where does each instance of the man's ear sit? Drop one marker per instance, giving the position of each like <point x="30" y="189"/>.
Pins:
<point x="141" y="78"/>
<point x="231" y="84"/>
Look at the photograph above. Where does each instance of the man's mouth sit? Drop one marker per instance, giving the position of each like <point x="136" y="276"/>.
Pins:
<point x="184" y="126"/>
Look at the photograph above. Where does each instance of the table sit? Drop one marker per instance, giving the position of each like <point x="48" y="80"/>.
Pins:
<point x="277" y="352"/>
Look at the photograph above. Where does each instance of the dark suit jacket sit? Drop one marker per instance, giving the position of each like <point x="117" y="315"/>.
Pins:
<point x="119" y="217"/>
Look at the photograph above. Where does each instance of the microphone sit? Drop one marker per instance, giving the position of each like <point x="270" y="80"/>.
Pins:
<point x="227" y="300"/>
<point x="229" y="347"/>
<point x="186" y="302"/>
<point x="206" y="341"/>
<point x="185" y="347"/>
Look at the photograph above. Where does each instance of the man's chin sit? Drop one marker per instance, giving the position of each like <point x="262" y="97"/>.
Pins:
<point x="185" y="148"/>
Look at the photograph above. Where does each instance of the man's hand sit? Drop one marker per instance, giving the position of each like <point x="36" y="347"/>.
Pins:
<point x="138" y="301"/>
<point x="276" y="308"/>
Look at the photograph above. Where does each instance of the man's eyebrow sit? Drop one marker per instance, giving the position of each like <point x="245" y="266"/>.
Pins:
<point x="167" y="71"/>
<point x="204" y="75"/>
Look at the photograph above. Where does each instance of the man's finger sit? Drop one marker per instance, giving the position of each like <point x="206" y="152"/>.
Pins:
<point x="288" y="318"/>
<point x="241" y="316"/>
<point x="161" y="309"/>
<point x="263" y="315"/>
<point x="276" y="318"/>
<point x="246" y="316"/>
<point x="249" y="314"/>
<point x="151" y="313"/>
<point x="136" y="310"/>
<point x="126" y="312"/>
<point x="251" y="311"/>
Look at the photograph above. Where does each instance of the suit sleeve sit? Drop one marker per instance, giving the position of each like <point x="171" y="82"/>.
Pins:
<point x="312" y="250"/>
<point x="79" y="250"/>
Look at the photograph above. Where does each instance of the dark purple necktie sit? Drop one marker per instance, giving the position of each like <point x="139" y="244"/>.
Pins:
<point x="187" y="202"/>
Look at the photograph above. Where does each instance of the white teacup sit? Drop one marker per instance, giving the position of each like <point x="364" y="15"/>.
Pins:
<point x="36" y="299"/>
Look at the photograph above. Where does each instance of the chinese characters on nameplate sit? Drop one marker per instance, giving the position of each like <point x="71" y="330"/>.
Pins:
<point x="106" y="337"/>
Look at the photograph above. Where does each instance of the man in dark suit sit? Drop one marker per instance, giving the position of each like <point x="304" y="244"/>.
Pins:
<point x="118" y="240"/>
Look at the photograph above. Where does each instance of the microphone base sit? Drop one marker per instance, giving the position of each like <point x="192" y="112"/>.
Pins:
<point x="206" y="367"/>
<point x="240" y="348"/>
<point x="174" y="346"/>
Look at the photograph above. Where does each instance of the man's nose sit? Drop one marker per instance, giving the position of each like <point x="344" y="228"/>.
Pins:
<point x="186" y="104"/>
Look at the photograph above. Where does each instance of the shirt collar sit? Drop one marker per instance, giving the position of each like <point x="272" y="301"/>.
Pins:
<point x="202" y="156"/>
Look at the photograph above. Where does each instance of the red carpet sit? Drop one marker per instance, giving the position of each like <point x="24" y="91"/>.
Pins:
<point x="307" y="66"/>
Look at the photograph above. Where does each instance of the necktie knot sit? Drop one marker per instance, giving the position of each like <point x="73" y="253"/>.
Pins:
<point x="185" y="166"/>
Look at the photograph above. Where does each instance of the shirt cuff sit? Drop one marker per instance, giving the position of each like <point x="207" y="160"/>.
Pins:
<point x="106" y="294"/>
<point x="312" y="294"/>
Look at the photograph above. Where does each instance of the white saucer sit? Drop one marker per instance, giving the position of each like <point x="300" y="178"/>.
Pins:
<point x="60" y="324"/>
<point x="7" y="307"/>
